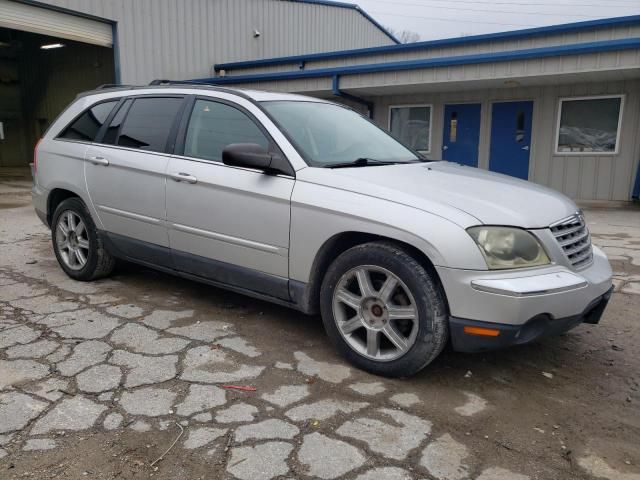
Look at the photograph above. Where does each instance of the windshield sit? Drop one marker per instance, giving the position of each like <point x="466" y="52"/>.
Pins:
<point x="327" y="134"/>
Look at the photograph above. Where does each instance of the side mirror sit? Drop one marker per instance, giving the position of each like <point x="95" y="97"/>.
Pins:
<point x="252" y="155"/>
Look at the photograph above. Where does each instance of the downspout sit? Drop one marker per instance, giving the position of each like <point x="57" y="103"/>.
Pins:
<point x="635" y="194"/>
<point x="338" y="93"/>
<point x="116" y="54"/>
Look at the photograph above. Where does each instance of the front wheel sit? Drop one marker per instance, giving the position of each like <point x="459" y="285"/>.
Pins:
<point x="76" y="243"/>
<point x="383" y="310"/>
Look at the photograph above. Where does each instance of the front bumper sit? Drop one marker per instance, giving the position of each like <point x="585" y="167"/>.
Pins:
<point x="514" y="297"/>
<point x="509" y="335"/>
<point x="524" y="305"/>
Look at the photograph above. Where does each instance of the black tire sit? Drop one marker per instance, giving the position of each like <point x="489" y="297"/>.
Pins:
<point x="433" y="326"/>
<point x="99" y="262"/>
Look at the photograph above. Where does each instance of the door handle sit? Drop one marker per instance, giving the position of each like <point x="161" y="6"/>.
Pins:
<point x="526" y="147"/>
<point x="97" y="160"/>
<point x="446" y="147"/>
<point x="183" y="177"/>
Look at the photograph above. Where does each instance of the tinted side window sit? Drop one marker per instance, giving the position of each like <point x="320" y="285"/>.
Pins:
<point x="86" y="126"/>
<point x="214" y="125"/>
<point x="148" y="123"/>
<point x="111" y="135"/>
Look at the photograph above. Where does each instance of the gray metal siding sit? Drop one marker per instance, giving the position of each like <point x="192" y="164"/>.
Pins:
<point x="597" y="34"/>
<point x="588" y="177"/>
<point x="290" y="28"/>
<point x="182" y="39"/>
<point x="584" y="68"/>
<point x="577" y="64"/>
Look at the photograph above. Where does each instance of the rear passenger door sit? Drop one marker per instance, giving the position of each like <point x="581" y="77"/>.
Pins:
<point x="70" y="146"/>
<point x="226" y="223"/>
<point x="125" y="173"/>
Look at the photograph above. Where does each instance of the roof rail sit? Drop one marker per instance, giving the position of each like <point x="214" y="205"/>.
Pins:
<point x="199" y="84"/>
<point x="159" y="81"/>
<point x="111" y="85"/>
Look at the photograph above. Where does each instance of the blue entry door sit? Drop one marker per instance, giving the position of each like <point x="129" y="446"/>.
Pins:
<point x="511" y="138"/>
<point x="461" y="134"/>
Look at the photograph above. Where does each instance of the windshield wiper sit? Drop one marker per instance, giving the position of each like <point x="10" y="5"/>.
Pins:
<point x="361" y="162"/>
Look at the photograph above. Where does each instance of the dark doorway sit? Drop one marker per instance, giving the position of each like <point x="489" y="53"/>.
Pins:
<point x="37" y="83"/>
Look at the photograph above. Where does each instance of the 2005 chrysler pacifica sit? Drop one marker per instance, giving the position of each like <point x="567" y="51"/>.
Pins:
<point x="308" y="204"/>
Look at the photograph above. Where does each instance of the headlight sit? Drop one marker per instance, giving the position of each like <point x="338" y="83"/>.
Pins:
<point x="504" y="247"/>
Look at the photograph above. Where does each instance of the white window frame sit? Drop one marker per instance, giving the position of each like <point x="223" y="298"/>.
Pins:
<point x="415" y="105"/>
<point x="561" y="100"/>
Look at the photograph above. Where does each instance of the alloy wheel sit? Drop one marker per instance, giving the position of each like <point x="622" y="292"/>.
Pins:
<point x="375" y="313"/>
<point x="72" y="240"/>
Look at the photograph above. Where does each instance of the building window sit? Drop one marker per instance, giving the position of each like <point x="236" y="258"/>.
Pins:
<point x="453" y="127"/>
<point x="412" y="125"/>
<point x="520" y="124"/>
<point x="589" y="125"/>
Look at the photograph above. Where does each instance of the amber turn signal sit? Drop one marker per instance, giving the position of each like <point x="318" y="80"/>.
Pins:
<point x="485" y="332"/>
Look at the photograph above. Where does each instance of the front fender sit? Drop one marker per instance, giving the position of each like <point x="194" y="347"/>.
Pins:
<point x="319" y="213"/>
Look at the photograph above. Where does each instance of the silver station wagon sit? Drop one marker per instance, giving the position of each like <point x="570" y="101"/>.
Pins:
<point x="308" y="204"/>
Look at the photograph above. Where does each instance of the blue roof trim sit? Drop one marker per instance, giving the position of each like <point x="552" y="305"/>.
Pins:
<point x="351" y="6"/>
<point x="377" y="24"/>
<point x="447" y="42"/>
<point x="330" y="3"/>
<point x="542" y="52"/>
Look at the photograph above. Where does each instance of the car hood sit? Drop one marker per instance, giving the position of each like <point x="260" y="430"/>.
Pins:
<point x="493" y="199"/>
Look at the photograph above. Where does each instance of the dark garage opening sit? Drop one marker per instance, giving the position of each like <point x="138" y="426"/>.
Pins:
<point x="36" y="84"/>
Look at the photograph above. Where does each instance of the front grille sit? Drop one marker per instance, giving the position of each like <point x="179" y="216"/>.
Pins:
<point x="573" y="237"/>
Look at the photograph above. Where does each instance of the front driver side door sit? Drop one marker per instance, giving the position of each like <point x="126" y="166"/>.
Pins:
<point x="227" y="224"/>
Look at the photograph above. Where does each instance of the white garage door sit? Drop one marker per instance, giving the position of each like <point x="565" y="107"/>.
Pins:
<point x="21" y="16"/>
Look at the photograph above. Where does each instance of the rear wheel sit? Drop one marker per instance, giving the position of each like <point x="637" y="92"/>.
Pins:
<point x="78" y="248"/>
<point x="383" y="310"/>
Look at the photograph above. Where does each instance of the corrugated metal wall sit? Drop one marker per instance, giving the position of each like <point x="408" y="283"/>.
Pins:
<point x="584" y="65"/>
<point x="548" y="40"/>
<point x="588" y="177"/>
<point x="182" y="39"/>
<point x="587" y="66"/>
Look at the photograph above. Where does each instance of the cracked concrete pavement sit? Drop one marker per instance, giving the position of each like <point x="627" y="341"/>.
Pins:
<point x="97" y="380"/>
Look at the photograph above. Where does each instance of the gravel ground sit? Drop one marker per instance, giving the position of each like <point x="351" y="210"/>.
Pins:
<point x="99" y="380"/>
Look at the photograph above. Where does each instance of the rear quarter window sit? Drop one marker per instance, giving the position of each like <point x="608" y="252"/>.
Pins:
<point x="88" y="124"/>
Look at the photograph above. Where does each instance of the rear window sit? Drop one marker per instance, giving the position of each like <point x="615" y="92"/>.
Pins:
<point x="87" y="125"/>
<point x="148" y="123"/>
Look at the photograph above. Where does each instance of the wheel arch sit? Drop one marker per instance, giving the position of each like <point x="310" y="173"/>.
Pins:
<point x="307" y="296"/>
<point x="56" y="197"/>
